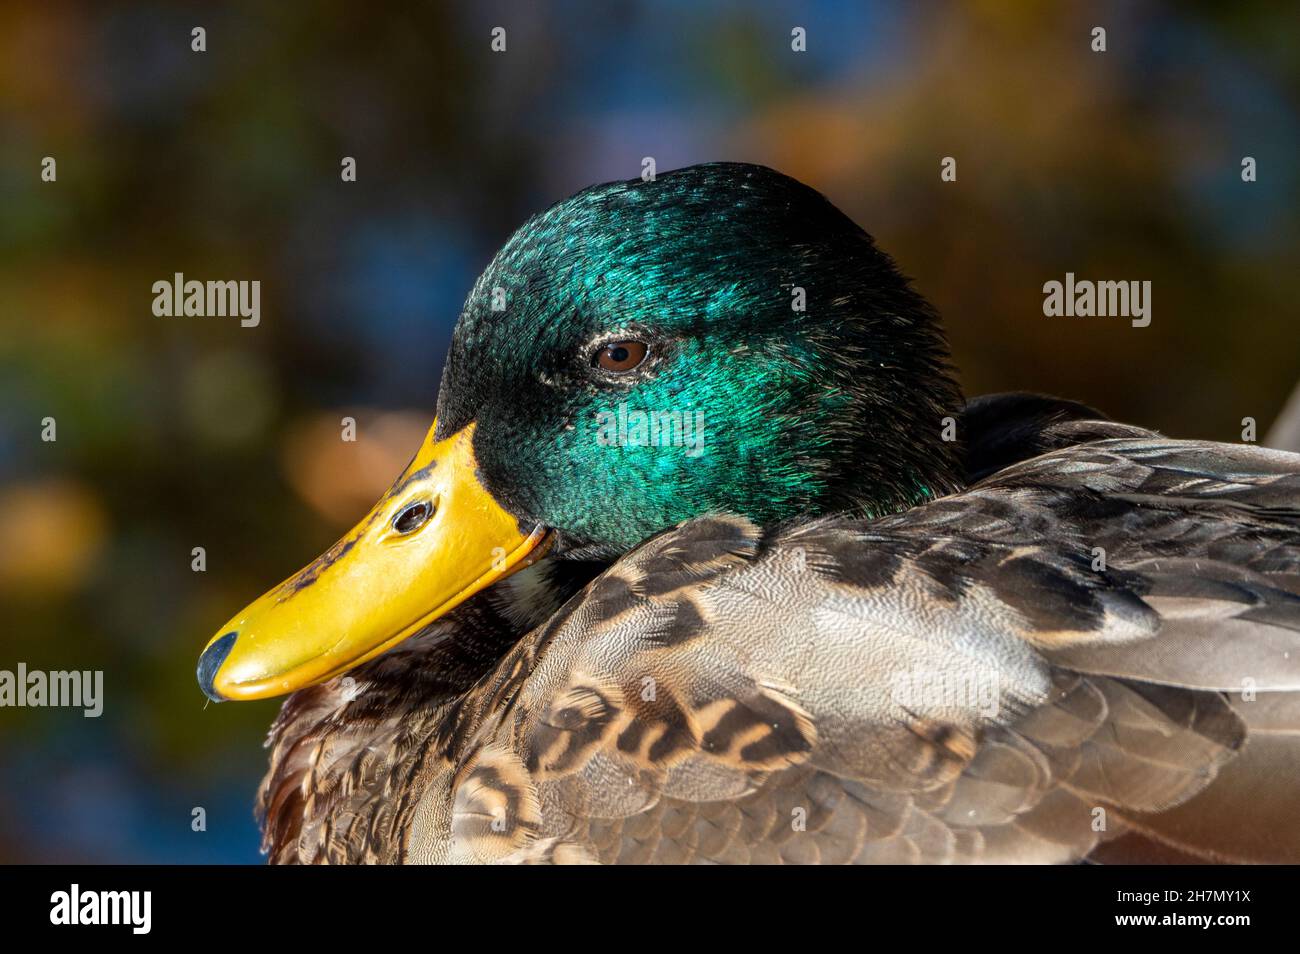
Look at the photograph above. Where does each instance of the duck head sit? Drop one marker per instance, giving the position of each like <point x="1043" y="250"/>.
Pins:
<point x="721" y="338"/>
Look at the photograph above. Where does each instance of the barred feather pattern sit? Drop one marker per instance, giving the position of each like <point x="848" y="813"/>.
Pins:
<point x="1090" y="654"/>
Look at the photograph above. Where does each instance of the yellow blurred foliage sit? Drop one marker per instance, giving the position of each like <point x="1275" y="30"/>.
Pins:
<point x="342" y="479"/>
<point x="51" y="533"/>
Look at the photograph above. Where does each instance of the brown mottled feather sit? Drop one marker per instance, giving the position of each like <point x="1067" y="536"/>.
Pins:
<point x="960" y="682"/>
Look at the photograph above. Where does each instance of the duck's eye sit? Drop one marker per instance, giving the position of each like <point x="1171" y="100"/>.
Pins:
<point x="413" y="516"/>
<point x="620" y="356"/>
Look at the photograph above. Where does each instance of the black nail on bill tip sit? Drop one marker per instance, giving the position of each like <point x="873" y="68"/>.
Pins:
<point x="211" y="661"/>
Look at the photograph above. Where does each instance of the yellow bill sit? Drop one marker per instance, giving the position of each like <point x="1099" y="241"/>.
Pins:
<point x="435" y="539"/>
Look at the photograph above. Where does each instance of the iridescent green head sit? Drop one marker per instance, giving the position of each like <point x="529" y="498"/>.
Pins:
<point x="719" y="339"/>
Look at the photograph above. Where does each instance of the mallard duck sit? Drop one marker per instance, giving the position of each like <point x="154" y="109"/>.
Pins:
<point x="850" y="617"/>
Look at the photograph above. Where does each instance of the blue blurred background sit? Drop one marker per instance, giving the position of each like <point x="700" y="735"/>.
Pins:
<point x="176" y="433"/>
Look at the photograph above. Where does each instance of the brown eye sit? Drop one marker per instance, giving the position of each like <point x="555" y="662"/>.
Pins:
<point x="619" y="356"/>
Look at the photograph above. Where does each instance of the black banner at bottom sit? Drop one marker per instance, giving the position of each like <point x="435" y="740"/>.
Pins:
<point x="267" y="904"/>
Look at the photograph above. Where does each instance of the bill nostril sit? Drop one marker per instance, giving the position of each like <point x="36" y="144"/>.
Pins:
<point x="210" y="662"/>
<point x="413" y="516"/>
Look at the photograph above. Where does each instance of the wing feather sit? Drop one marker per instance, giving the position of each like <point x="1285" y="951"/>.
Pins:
<point x="1057" y="658"/>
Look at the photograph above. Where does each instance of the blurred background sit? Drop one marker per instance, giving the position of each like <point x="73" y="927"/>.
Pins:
<point x="182" y="432"/>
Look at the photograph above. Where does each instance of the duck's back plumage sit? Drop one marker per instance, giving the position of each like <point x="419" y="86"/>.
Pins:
<point x="1088" y="653"/>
